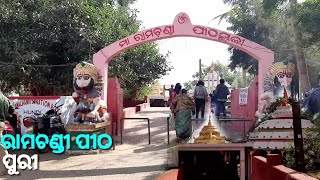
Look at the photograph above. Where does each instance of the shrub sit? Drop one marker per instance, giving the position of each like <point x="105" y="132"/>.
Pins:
<point x="311" y="146"/>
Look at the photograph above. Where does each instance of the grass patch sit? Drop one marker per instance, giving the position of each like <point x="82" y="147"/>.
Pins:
<point x="315" y="174"/>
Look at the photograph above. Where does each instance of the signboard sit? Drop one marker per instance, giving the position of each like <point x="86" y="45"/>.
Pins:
<point x="28" y="105"/>
<point x="243" y="96"/>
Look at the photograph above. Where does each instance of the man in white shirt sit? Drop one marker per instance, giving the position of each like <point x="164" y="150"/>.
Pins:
<point x="200" y="95"/>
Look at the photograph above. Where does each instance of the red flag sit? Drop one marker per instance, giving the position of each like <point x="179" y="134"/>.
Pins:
<point x="285" y="94"/>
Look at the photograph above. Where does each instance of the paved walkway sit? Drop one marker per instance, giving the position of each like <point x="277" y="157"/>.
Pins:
<point x="230" y="128"/>
<point x="135" y="159"/>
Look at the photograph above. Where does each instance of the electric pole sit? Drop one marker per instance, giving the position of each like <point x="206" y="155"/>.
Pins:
<point x="319" y="79"/>
<point x="298" y="140"/>
<point x="200" y="72"/>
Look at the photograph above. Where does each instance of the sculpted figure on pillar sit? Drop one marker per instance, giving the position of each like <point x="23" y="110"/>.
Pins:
<point x="278" y="78"/>
<point x="4" y="108"/>
<point x="88" y="85"/>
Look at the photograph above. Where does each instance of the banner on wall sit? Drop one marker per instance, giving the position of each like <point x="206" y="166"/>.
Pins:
<point x="27" y="106"/>
<point x="243" y="96"/>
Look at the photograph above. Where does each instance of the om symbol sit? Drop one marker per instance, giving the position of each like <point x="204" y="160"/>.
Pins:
<point x="182" y="19"/>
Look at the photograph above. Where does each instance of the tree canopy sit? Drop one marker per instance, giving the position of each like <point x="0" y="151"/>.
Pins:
<point x="42" y="40"/>
<point x="288" y="28"/>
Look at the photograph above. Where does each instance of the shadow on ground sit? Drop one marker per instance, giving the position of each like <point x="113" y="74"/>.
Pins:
<point x="139" y="132"/>
<point x="92" y="172"/>
<point x="41" y="156"/>
<point x="154" y="148"/>
<point x="167" y="111"/>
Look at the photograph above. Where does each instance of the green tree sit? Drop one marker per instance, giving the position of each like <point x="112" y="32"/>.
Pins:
<point x="283" y="26"/>
<point x="276" y="5"/>
<point x="245" y="23"/>
<point x="60" y="33"/>
<point x="313" y="55"/>
<point x="190" y="84"/>
<point x="46" y="32"/>
<point x="139" y="67"/>
<point x="308" y="15"/>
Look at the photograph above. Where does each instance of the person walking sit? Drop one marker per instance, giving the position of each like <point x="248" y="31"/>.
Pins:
<point x="200" y="95"/>
<point x="213" y="101"/>
<point x="194" y="110"/>
<point x="176" y="92"/>
<point x="171" y="90"/>
<point x="183" y="105"/>
<point x="221" y="94"/>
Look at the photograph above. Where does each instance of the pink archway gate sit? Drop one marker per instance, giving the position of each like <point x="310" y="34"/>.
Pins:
<point x="182" y="27"/>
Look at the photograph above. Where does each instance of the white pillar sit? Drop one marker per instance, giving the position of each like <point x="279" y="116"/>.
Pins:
<point x="105" y="83"/>
<point x="319" y="79"/>
<point x="218" y="77"/>
<point x="209" y="84"/>
<point x="212" y="77"/>
<point x="200" y="71"/>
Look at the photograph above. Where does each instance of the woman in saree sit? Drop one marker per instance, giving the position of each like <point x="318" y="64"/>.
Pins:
<point x="176" y="92"/>
<point x="183" y="105"/>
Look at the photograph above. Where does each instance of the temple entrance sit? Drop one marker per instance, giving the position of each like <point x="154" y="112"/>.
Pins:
<point x="182" y="27"/>
<point x="213" y="161"/>
<point x="210" y="164"/>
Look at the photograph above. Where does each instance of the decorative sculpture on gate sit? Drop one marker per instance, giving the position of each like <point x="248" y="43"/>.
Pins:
<point x="88" y="85"/>
<point x="278" y="79"/>
<point x="274" y="130"/>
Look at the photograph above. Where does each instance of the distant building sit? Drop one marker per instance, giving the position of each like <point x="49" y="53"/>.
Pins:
<point x="211" y="80"/>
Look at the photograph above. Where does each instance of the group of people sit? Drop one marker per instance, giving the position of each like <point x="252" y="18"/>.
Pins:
<point x="183" y="106"/>
<point x="218" y="98"/>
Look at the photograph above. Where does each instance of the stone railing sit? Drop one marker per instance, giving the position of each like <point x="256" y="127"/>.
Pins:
<point x="271" y="168"/>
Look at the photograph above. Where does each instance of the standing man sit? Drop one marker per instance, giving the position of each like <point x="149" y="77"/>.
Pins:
<point x="170" y="94"/>
<point x="200" y="95"/>
<point x="194" y="110"/>
<point x="221" y="94"/>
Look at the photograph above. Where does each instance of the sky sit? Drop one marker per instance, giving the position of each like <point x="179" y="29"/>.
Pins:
<point x="186" y="51"/>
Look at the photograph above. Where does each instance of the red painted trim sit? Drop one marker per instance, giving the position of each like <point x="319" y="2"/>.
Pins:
<point x="32" y="97"/>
